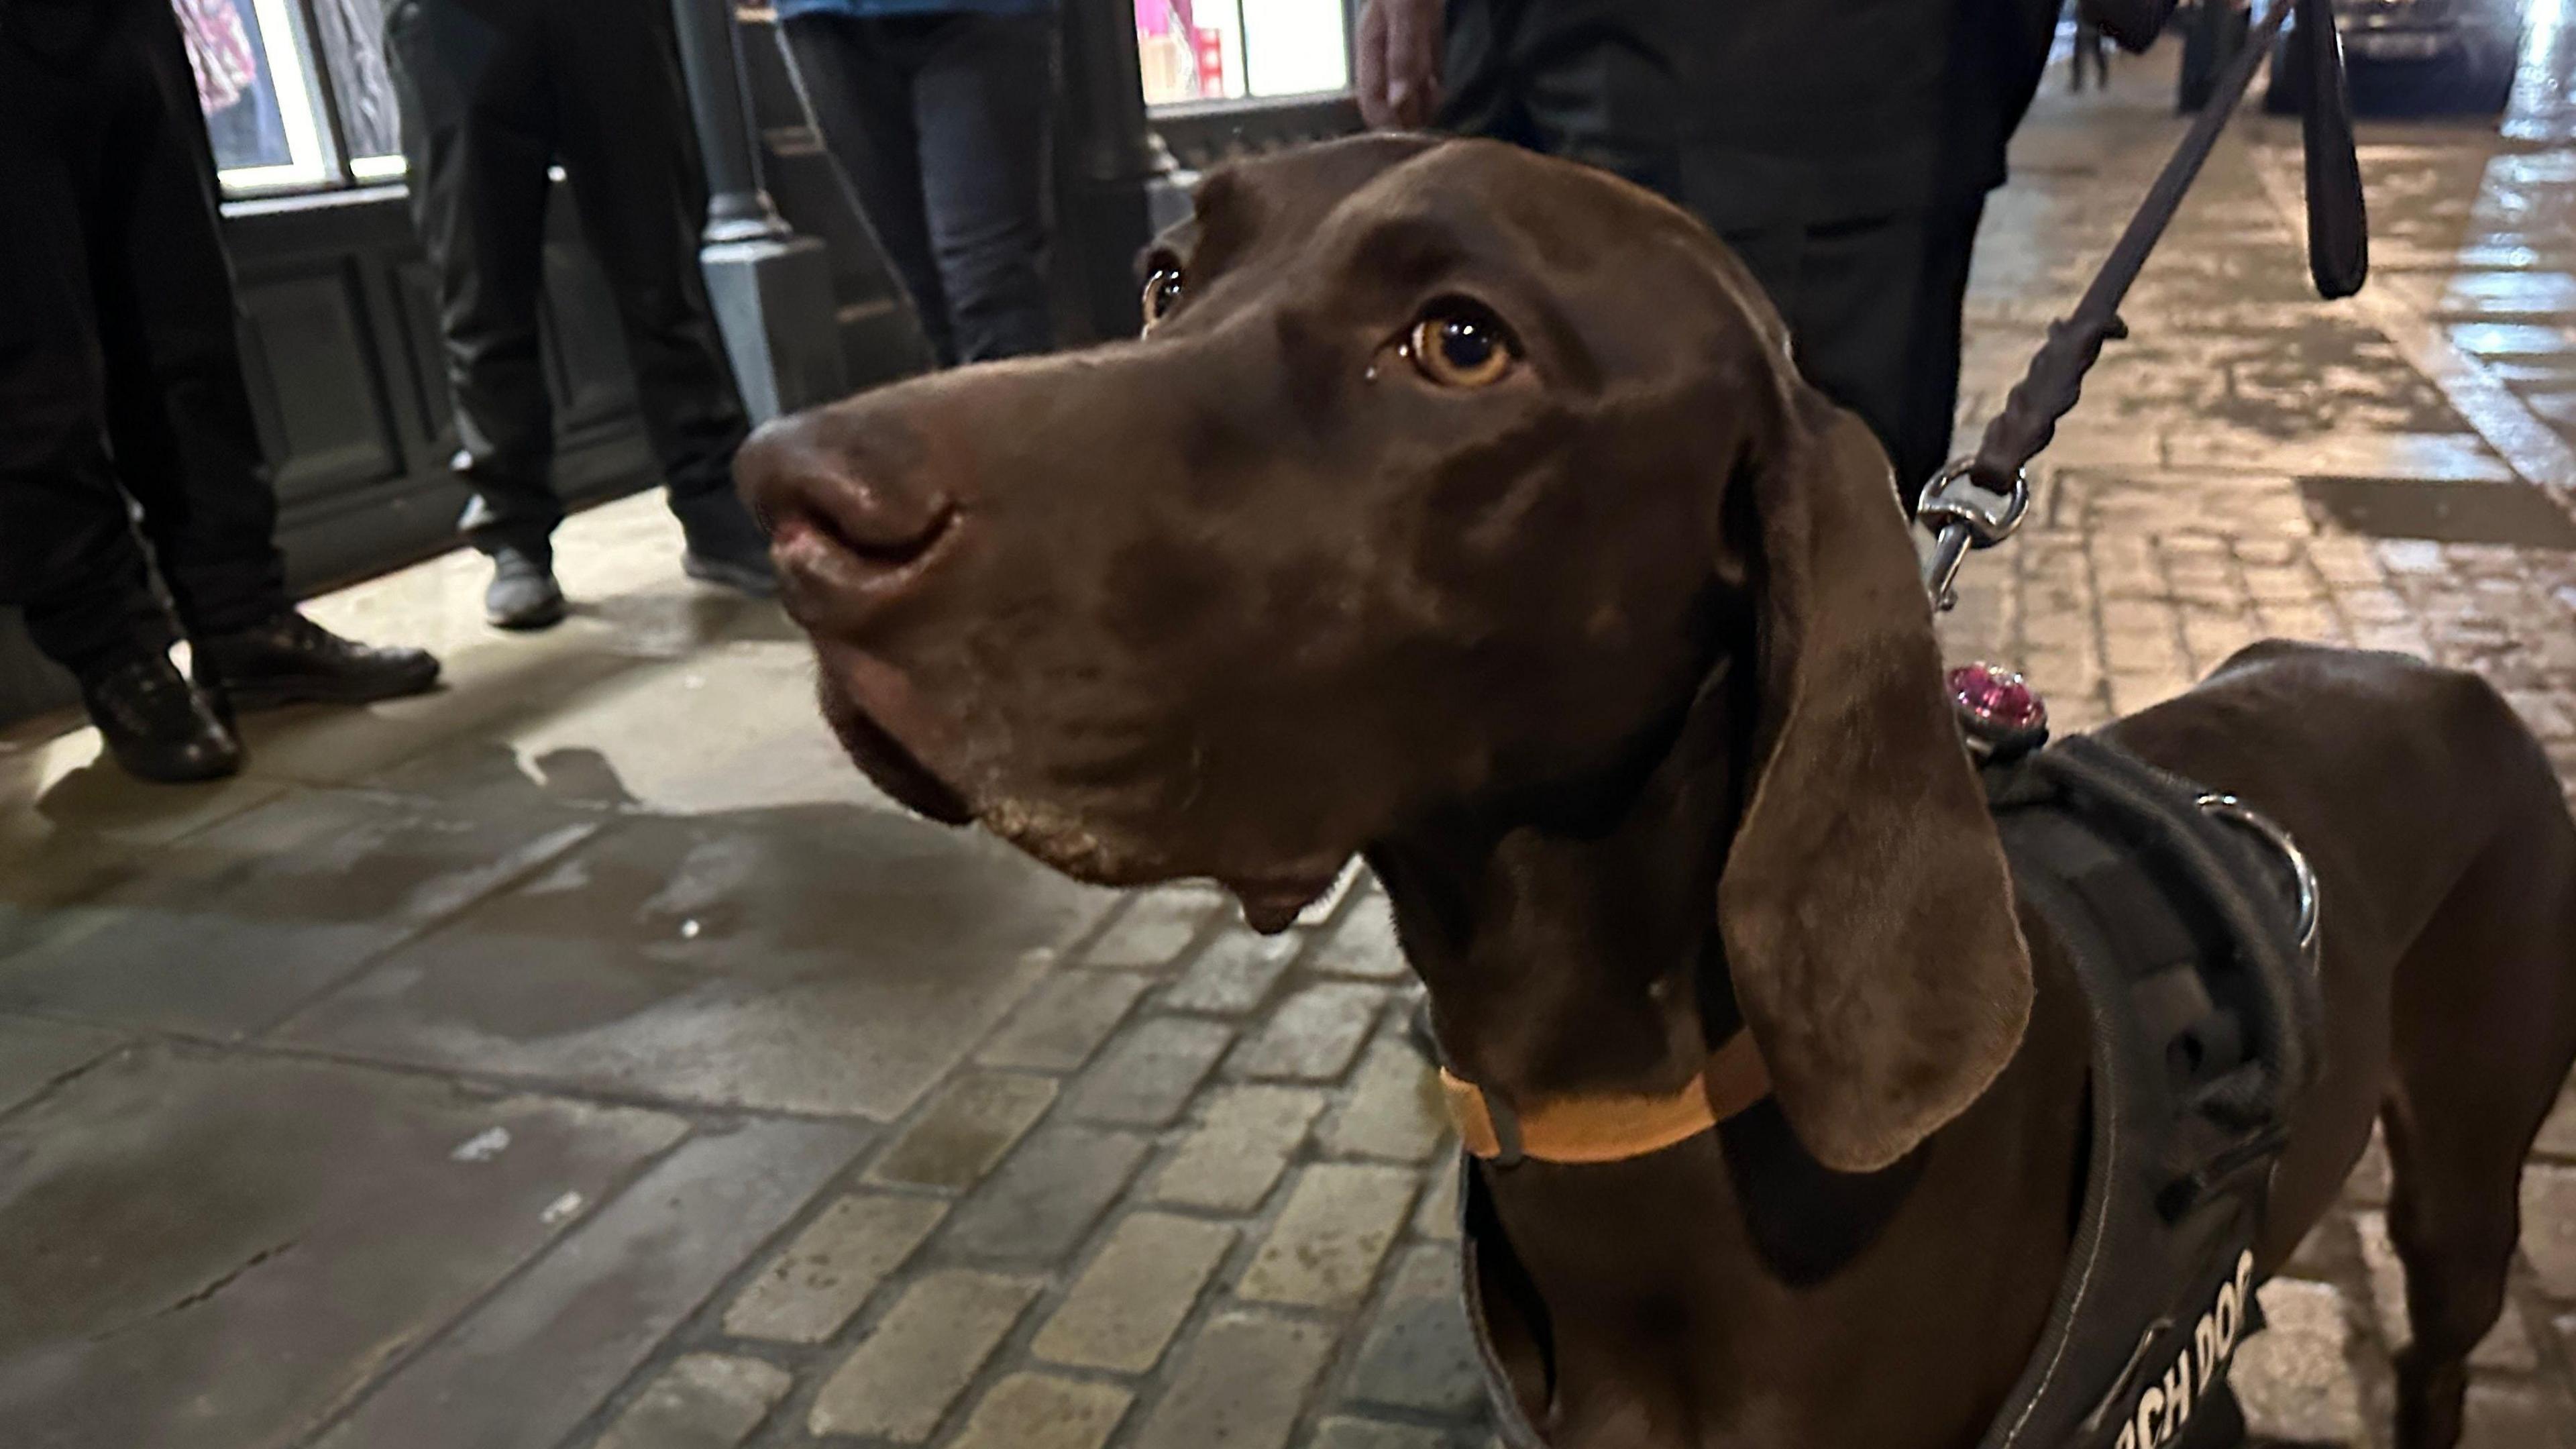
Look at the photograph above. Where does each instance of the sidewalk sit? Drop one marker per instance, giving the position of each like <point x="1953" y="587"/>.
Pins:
<point x="586" y="1056"/>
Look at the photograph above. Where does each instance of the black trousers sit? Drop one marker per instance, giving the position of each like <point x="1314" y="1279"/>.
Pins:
<point x="1873" y="308"/>
<point x="121" y="384"/>
<point x="942" y="125"/>
<point x="494" y="92"/>
<point x="1873" y="300"/>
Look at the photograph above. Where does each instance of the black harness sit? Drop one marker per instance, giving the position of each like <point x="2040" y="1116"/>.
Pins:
<point x="2190" y="923"/>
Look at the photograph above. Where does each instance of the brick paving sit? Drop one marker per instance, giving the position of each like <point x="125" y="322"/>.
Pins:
<point x="1069" y="1172"/>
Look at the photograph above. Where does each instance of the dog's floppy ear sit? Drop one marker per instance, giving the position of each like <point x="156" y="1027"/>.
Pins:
<point x="1865" y="907"/>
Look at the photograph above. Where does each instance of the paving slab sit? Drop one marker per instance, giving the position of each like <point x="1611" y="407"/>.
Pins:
<point x="64" y="781"/>
<point x="34" y="1054"/>
<point x="1240" y="1385"/>
<point x="1040" y="1411"/>
<point x="724" y="729"/>
<point x="1040" y="1203"/>
<point x="902" y="1378"/>
<point x="820" y="959"/>
<point x="1124" y="1309"/>
<point x="815" y="1283"/>
<point x="242" y="922"/>
<point x="975" y="1118"/>
<point x="48" y="877"/>
<point x="484" y="692"/>
<point x="704" y="1401"/>
<point x="531" y="1361"/>
<point x="217" y="1250"/>
<point x="1419" y="1352"/>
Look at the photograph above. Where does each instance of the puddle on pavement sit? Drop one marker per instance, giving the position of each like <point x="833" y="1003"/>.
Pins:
<point x="2496" y="513"/>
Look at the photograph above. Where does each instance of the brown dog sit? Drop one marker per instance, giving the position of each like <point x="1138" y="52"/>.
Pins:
<point x="1462" y="509"/>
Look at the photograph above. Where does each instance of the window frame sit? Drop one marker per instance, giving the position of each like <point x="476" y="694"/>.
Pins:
<point x="309" y="109"/>
<point x="1198" y="113"/>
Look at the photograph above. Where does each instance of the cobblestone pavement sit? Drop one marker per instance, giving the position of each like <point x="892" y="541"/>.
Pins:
<point x="584" y="1056"/>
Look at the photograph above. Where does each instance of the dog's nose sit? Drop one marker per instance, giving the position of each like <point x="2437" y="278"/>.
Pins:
<point x="835" y="513"/>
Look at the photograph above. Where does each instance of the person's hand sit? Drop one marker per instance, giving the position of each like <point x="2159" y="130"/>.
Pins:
<point x="1399" y="63"/>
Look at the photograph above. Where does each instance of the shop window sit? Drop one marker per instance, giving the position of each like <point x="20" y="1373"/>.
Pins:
<point x="255" y="82"/>
<point x="352" y="34"/>
<point x="1219" y="50"/>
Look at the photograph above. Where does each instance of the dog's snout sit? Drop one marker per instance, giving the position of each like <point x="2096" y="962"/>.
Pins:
<point x="838" y="518"/>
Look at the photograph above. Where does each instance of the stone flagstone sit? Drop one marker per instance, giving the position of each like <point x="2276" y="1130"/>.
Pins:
<point x="900" y="1381"/>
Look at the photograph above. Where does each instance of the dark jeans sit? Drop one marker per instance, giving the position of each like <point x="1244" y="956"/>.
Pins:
<point x="1873" y="301"/>
<point x="942" y="123"/>
<point x="121" y="380"/>
<point x="494" y="92"/>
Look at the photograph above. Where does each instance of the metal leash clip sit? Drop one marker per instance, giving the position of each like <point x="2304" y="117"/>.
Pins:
<point x="1964" y="515"/>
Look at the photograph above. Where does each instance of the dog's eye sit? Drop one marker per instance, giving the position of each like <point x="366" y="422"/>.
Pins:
<point x="1162" y="294"/>
<point x="1459" y="346"/>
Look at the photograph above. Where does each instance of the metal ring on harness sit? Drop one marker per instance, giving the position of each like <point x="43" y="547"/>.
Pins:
<point x="2236" y="812"/>
<point x="1964" y="516"/>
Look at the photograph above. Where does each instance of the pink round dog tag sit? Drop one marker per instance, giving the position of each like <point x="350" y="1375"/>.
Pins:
<point x="1999" y="711"/>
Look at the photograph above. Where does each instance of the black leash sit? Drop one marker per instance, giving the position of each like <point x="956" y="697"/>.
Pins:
<point x="1977" y="502"/>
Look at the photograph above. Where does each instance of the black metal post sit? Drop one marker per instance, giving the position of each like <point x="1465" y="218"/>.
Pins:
<point x="738" y="205"/>
<point x="771" y="288"/>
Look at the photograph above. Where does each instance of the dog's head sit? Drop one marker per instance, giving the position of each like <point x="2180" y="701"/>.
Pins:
<point x="1442" y="479"/>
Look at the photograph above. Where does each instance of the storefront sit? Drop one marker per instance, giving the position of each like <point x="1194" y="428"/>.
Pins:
<point x="341" y="317"/>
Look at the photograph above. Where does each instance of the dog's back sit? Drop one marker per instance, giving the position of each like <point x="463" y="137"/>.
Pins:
<point x="2446" y="862"/>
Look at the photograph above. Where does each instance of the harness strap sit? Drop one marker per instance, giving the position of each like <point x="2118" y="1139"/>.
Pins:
<point x="1608" y="1128"/>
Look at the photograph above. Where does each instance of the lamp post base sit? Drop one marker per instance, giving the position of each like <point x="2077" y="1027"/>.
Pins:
<point x="775" y="307"/>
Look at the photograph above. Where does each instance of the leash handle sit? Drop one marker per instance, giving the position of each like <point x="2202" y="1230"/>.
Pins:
<point x="2338" y="221"/>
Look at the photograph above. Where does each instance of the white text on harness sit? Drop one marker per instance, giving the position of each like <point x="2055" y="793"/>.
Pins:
<point x="2165" y="1406"/>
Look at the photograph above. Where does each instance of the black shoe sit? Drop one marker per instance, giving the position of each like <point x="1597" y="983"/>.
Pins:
<point x="523" y="594"/>
<point x="289" y="659"/>
<point x="726" y="546"/>
<point x="156" y="724"/>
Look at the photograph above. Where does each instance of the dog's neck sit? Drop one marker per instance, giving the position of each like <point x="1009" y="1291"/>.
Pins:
<point x="1560" y="966"/>
<point x="1570" y="943"/>
<point x="1582" y="961"/>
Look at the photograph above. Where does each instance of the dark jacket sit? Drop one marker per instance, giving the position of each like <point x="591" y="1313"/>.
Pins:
<point x="1776" y="111"/>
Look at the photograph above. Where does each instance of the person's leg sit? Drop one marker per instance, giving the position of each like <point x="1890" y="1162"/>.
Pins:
<point x="633" y="160"/>
<point x="186" y="442"/>
<point x="179" y="410"/>
<point x="478" y="113"/>
<point x="984" y="102"/>
<point x="68" y="554"/>
<point x="1877" y="327"/>
<point x="859" y="88"/>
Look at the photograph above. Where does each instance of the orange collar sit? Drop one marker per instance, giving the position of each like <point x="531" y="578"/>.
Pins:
<point x="1609" y="1129"/>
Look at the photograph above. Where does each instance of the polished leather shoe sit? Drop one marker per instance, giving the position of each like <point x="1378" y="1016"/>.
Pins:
<point x="156" y="724"/>
<point x="287" y="659"/>
<point x="523" y="594"/>
<point x="726" y="547"/>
